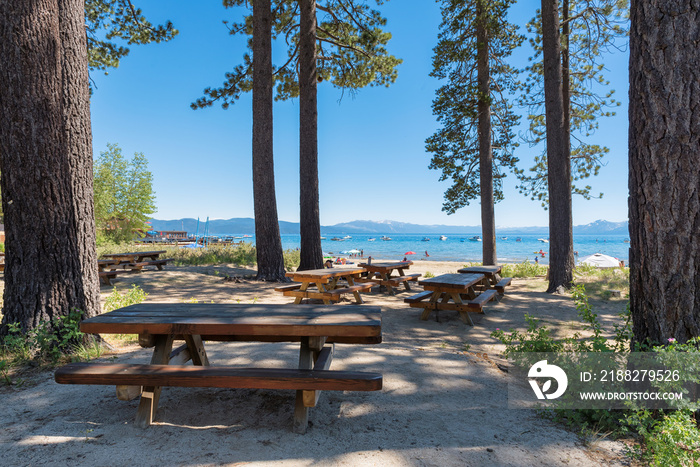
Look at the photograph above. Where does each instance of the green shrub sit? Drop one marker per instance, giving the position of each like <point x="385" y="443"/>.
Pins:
<point x="428" y="275"/>
<point x="674" y="440"/>
<point x="292" y="259"/>
<point x="116" y="300"/>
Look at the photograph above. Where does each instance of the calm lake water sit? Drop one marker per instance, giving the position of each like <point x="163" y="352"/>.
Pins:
<point x="460" y="248"/>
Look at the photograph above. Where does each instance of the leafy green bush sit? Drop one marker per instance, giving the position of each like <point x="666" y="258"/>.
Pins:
<point x="670" y="438"/>
<point x="428" y="275"/>
<point x="47" y="342"/>
<point x="673" y="440"/>
<point x="538" y="338"/>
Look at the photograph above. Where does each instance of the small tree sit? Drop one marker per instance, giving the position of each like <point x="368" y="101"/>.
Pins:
<point x="124" y="198"/>
<point x="475" y="39"/>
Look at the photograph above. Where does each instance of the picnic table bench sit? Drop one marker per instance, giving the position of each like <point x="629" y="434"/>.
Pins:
<point x="316" y="328"/>
<point x="323" y="284"/>
<point x="381" y="273"/>
<point x="458" y="288"/>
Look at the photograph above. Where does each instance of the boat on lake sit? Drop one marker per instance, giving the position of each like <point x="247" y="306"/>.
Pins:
<point x="385" y="238"/>
<point x="425" y="239"/>
<point x="442" y="237"/>
<point x="543" y="240"/>
<point x="475" y="238"/>
<point x="371" y="239"/>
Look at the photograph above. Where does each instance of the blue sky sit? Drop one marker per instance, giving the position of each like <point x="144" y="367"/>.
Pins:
<point x="372" y="159"/>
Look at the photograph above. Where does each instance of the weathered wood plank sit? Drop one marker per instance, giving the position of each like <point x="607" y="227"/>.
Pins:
<point x="216" y="377"/>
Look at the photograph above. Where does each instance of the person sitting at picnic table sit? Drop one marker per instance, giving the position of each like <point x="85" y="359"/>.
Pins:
<point x="404" y="259"/>
<point x="329" y="263"/>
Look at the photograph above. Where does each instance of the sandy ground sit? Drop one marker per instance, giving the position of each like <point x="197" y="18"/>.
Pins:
<point x="443" y="401"/>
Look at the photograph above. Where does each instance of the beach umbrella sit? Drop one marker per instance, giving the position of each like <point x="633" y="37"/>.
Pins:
<point x="600" y="260"/>
<point x="410" y="253"/>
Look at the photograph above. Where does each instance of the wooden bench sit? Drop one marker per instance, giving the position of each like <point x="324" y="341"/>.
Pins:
<point x="478" y="303"/>
<point x="284" y="288"/>
<point x="397" y="280"/>
<point x="159" y="263"/>
<point x="419" y="297"/>
<point x="217" y="377"/>
<point x="502" y="284"/>
<point x="107" y="276"/>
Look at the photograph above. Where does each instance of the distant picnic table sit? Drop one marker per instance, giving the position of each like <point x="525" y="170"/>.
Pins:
<point x="460" y="289"/>
<point x="323" y="284"/>
<point x="381" y="273"/>
<point x="492" y="274"/>
<point x="159" y="324"/>
<point x="117" y="263"/>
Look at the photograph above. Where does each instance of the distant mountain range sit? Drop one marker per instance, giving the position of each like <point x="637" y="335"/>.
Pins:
<point x="247" y="226"/>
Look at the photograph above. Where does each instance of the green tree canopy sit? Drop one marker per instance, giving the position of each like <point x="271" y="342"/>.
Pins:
<point x="124" y="197"/>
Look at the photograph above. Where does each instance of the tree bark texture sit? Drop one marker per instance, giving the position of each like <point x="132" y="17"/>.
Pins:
<point x="566" y="71"/>
<point x="309" y="217"/>
<point x="78" y="131"/>
<point x="561" y="250"/>
<point x="664" y="157"/>
<point x="268" y="242"/>
<point x="488" y="221"/>
<point x="50" y="256"/>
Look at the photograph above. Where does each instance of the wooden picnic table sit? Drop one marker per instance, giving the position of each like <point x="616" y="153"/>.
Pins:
<point x="460" y="289"/>
<point x="159" y="324"/>
<point x="116" y="263"/>
<point x="135" y="257"/>
<point x="383" y="273"/>
<point x="493" y="278"/>
<point x="323" y="284"/>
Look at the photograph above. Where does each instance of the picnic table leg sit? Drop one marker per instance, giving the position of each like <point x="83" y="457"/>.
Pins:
<point x="405" y="283"/>
<point x="197" y="352"/>
<point x="301" y="412"/>
<point x="430" y="306"/>
<point x="358" y="297"/>
<point x="304" y="286"/>
<point x="463" y="314"/>
<point x="322" y="288"/>
<point x="151" y="394"/>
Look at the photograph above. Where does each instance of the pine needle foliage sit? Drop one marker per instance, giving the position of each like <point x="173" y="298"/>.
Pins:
<point x="595" y="27"/>
<point x="455" y="146"/>
<point x="351" y="50"/>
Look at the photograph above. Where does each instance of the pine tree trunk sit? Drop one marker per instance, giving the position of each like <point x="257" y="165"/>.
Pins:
<point x="45" y="135"/>
<point x="309" y="218"/>
<point x="664" y="156"/>
<point x="78" y="130"/>
<point x="561" y="251"/>
<point x="488" y="222"/>
<point x="267" y="232"/>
